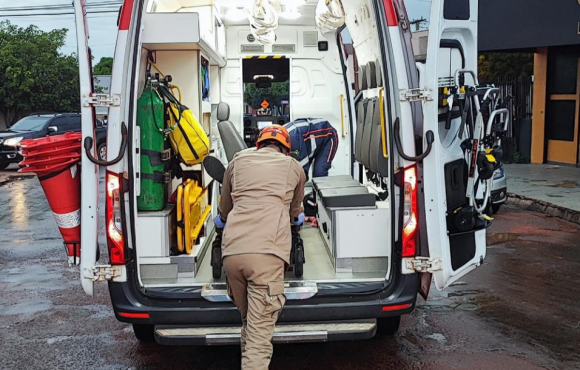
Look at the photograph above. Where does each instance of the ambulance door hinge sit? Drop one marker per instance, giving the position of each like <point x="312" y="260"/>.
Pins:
<point x="101" y="100"/>
<point x="103" y="272"/>
<point x="423" y="264"/>
<point x="413" y="95"/>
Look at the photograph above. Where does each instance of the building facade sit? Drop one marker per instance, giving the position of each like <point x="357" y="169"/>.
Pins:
<point x="551" y="30"/>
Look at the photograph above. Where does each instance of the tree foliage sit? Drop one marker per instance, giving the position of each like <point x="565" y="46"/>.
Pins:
<point x="501" y="66"/>
<point x="34" y="75"/>
<point x="104" y="67"/>
<point x="274" y="95"/>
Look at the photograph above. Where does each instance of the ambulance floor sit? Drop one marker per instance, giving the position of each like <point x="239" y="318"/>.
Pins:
<point x="318" y="267"/>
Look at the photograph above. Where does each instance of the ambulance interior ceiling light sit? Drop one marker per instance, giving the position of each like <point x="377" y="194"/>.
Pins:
<point x="291" y="12"/>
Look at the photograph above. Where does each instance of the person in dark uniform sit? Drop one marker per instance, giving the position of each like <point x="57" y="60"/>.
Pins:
<point x="314" y="143"/>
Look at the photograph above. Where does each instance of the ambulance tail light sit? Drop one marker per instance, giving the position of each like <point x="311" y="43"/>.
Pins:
<point x="410" y="221"/>
<point x="115" y="237"/>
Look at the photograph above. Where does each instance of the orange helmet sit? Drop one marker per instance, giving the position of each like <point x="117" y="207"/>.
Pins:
<point x="276" y="133"/>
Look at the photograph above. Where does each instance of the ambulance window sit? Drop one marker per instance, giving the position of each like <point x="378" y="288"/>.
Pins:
<point x="456" y="9"/>
<point x="266" y="95"/>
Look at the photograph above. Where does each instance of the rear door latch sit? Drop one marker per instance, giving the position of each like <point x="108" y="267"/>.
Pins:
<point x="101" y="100"/>
<point x="103" y="272"/>
<point x="414" y="95"/>
<point x="423" y="264"/>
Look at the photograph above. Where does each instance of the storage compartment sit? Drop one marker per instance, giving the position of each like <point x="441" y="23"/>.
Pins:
<point x="362" y="251"/>
<point x="186" y="31"/>
<point x="156" y="232"/>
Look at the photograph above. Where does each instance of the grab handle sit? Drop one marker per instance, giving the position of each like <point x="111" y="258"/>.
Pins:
<point x="430" y="136"/>
<point x="88" y="144"/>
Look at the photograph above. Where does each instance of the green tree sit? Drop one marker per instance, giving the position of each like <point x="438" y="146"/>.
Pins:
<point x="34" y="75"/>
<point x="499" y="66"/>
<point x="274" y="95"/>
<point x="104" y="67"/>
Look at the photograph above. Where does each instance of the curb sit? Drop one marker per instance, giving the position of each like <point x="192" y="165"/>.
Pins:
<point x="543" y="207"/>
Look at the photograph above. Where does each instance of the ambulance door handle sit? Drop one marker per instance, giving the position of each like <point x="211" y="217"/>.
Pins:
<point x="88" y="144"/>
<point x="430" y="136"/>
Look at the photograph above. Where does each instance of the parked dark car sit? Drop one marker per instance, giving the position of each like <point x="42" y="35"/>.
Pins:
<point x="40" y="125"/>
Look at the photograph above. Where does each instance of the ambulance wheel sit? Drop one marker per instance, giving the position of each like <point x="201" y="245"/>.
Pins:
<point x="388" y="325"/>
<point x="216" y="263"/>
<point x="299" y="262"/>
<point x="144" y="333"/>
<point x="102" y="152"/>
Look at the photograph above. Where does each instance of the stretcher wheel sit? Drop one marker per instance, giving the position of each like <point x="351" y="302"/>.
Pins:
<point x="216" y="255"/>
<point x="297" y="254"/>
<point x="216" y="263"/>
<point x="299" y="261"/>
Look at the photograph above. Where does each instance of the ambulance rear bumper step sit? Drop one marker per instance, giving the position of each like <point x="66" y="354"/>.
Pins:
<point x="284" y="333"/>
<point x="294" y="290"/>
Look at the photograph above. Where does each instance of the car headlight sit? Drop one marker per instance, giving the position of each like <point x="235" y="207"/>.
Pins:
<point x="499" y="173"/>
<point x="13" y="141"/>
<point x="1" y="141"/>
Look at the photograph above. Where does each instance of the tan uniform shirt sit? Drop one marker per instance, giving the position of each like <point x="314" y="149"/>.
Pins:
<point x="262" y="193"/>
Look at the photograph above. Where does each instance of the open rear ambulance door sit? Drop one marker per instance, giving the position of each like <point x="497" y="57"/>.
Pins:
<point x="452" y="47"/>
<point x="90" y="171"/>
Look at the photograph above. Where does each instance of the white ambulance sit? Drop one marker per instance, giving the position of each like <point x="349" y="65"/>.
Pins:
<point x="403" y="204"/>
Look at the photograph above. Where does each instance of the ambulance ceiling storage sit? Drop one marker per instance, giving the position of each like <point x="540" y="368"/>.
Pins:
<point x="170" y="26"/>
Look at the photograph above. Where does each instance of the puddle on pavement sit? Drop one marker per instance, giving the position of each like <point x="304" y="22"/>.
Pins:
<point x="438" y="337"/>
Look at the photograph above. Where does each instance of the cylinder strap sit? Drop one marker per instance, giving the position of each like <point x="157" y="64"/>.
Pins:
<point x="157" y="158"/>
<point x="159" y="177"/>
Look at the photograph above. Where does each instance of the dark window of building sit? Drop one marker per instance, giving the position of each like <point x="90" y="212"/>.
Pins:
<point x="560" y="120"/>
<point x="562" y="72"/>
<point x="456" y="9"/>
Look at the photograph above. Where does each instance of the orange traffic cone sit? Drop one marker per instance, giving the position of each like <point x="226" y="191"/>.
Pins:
<point x="56" y="162"/>
<point x="63" y="192"/>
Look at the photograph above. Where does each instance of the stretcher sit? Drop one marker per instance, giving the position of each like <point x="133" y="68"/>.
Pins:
<point x="191" y="214"/>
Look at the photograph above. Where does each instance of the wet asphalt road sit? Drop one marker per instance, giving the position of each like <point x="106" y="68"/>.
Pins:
<point x="520" y="310"/>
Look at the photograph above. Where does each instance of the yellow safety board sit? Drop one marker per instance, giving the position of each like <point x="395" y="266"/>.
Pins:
<point x="190" y="216"/>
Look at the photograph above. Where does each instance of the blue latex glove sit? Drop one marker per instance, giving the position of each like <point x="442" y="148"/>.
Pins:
<point x="298" y="221"/>
<point x="219" y="222"/>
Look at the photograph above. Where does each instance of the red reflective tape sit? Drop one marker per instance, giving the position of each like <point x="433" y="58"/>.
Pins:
<point x="397" y="307"/>
<point x="126" y="11"/>
<point x="134" y="315"/>
<point x="392" y="19"/>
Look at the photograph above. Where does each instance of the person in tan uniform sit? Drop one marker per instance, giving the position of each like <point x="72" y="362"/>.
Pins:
<point x="261" y="197"/>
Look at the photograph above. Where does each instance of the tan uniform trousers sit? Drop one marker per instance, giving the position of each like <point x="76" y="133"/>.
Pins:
<point x="256" y="286"/>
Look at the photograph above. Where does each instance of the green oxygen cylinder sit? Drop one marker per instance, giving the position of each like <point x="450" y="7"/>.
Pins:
<point x="150" y="119"/>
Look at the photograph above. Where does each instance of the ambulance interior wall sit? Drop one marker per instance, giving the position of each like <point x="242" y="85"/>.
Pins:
<point x="317" y="85"/>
